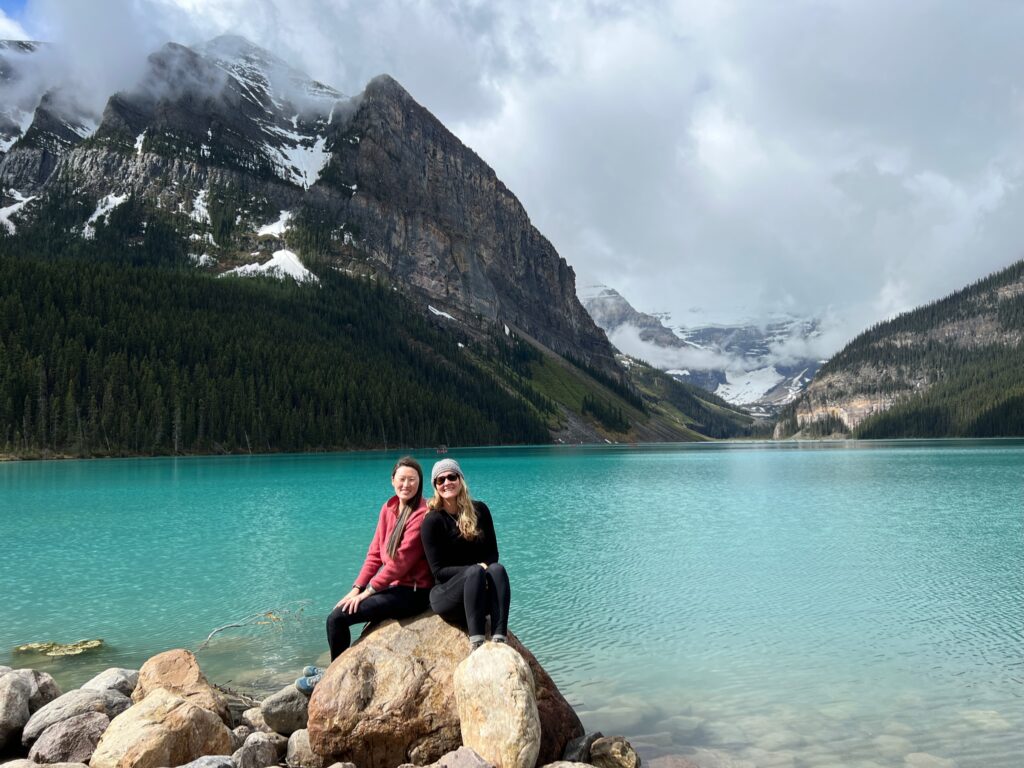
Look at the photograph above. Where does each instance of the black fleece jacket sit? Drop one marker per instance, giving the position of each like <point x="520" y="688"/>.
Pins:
<point x="447" y="552"/>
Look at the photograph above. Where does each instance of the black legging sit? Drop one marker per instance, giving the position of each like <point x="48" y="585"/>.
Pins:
<point x="473" y="595"/>
<point x="390" y="603"/>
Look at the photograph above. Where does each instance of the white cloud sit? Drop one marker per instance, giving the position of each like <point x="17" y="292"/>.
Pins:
<point x="10" y="29"/>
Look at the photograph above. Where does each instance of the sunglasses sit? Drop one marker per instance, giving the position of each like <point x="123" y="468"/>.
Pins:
<point x="442" y="479"/>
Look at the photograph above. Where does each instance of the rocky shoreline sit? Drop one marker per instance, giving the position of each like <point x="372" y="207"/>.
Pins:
<point x="408" y="693"/>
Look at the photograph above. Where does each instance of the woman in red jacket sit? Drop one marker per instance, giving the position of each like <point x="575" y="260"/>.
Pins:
<point x="395" y="579"/>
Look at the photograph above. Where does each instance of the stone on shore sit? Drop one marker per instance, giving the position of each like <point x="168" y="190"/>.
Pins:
<point x="178" y="672"/>
<point x="260" y="750"/>
<point x="15" y="694"/>
<point x="25" y="763"/>
<point x="254" y="719"/>
<point x="163" y="729"/>
<point x="211" y="761"/>
<point x="70" y="741"/>
<point x="115" y="678"/>
<point x="390" y="698"/>
<point x="239" y="735"/>
<point x="300" y="754"/>
<point x="69" y="705"/>
<point x="43" y="688"/>
<point x="613" y="752"/>
<point x="286" y="711"/>
<point x="463" y="757"/>
<point x="497" y="706"/>
<point x="568" y="764"/>
<point x="578" y="750"/>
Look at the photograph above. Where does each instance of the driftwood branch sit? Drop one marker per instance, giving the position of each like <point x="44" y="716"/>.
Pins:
<point x="272" y="617"/>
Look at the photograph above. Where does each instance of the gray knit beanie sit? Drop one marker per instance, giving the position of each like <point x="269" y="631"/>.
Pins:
<point x="443" y="466"/>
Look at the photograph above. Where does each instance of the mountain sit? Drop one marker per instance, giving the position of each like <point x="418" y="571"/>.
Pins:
<point x="952" y="368"/>
<point x="225" y="161"/>
<point x="741" y="364"/>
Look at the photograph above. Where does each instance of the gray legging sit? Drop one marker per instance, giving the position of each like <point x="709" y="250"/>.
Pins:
<point x="474" y="594"/>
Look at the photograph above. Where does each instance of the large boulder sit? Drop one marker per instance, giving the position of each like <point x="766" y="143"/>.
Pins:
<point x="15" y="694"/>
<point x="163" y="729"/>
<point x="497" y="706"/>
<point x="115" y="678"/>
<point x="286" y="711"/>
<point x="390" y="698"/>
<point x="178" y="671"/>
<point x="70" y="741"/>
<point x="43" y="688"/>
<point x="69" y="705"/>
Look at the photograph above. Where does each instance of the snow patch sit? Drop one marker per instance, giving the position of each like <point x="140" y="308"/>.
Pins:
<point x="439" y="313"/>
<point x="507" y="331"/>
<point x="138" y="143"/>
<point x="300" y="159"/>
<point x="5" y="213"/>
<point x="103" y="207"/>
<point x="276" y="228"/>
<point x="744" y="387"/>
<point x="200" y="212"/>
<point x="284" y="264"/>
<point x="202" y="260"/>
<point x="678" y="372"/>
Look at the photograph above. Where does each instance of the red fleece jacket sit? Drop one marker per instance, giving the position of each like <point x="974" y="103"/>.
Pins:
<point x="409" y="566"/>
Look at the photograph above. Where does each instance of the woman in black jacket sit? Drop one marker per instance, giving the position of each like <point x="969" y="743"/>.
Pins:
<point x="458" y="539"/>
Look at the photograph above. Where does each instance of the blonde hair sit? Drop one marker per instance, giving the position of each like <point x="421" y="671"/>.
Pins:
<point x="466" y="518"/>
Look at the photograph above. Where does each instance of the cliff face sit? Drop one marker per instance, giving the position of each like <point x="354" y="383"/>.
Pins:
<point x="969" y="337"/>
<point x="376" y="184"/>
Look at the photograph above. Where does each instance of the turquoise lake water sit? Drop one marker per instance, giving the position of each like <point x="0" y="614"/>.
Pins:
<point x="777" y="605"/>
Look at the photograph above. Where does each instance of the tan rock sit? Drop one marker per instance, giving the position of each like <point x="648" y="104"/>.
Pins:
<point x="253" y="717"/>
<point x="163" y="729"/>
<point x="567" y="764"/>
<point x="178" y="671"/>
<point x="300" y="754"/>
<point x="613" y="752"/>
<point x="390" y="698"/>
<point x="497" y="706"/>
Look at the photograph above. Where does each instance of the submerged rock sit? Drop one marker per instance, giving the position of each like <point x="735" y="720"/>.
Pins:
<point x="390" y="698"/>
<point x="497" y="706"/>
<point x="60" y="649"/>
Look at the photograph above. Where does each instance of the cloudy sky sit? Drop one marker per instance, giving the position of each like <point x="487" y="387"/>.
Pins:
<point x="718" y="160"/>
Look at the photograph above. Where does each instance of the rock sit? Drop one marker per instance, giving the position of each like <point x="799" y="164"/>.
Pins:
<point x="463" y="757"/>
<point x="390" y="698"/>
<point x="30" y="764"/>
<point x="239" y="735"/>
<point x="70" y="704"/>
<point x="300" y="755"/>
<point x="701" y="758"/>
<point x="178" y="671"/>
<point x="43" y="688"/>
<point x="568" y="764"/>
<point x="260" y="750"/>
<point x="4" y="670"/>
<point x="286" y="711"/>
<point x="115" y="701"/>
<point x="163" y="729"/>
<point x="344" y="765"/>
<point x="115" y="678"/>
<point x="211" y="761"/>
<point x="613" y="752"/>
<point x="15" y="694"/>
<point x="60" y="649"/>
<point x="684" y="728"/>
<point x="254" y="719"/>
<point x="578" y="750"/>
<point x="497" y="706"/>
<point x="70" y="741"/>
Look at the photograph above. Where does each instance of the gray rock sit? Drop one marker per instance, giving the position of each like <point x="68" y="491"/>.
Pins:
<point x="44" y="688"/>
<point x="463" y="757"/>
<point x="70" y="741"/>
<point x="578" y="750"/>
<point x="116" y="678"/>
<point x="260" y="750"/>
<point x="70" y="704"/>
<point x="115" y="702"/>
<point x="254" y="719"/>
<point x="300" y="754"/>
<point x="239" y="735"/>
<point x="286" y="711"/>
<point x="211" y="761"/>
<point x="15" y="694"/>
<point x="30" y="764"/>
<point x="4" y="670"/>
<point x="353" y="765"/>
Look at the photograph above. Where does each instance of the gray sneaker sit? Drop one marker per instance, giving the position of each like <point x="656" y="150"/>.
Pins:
<point x="307" y="683"/>
<point x="310" y="671"/>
